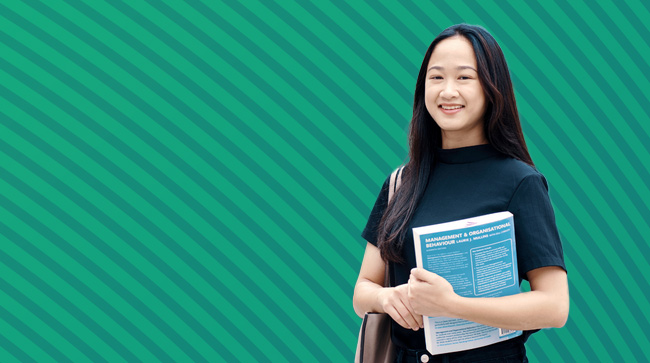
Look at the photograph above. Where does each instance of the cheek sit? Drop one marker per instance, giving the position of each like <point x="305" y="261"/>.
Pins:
<point x="478" y="97"/>
<point x="430" y="96"/>
<point x="480" y="102"/>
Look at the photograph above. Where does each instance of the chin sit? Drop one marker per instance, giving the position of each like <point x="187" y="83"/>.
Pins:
<point x="450" y="126"/>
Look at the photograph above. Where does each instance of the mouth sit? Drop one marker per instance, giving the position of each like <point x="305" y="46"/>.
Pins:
<point x="450" y="107"/>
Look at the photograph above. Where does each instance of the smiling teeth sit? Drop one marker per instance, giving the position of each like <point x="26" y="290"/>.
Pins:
<point x="450" y="108"/>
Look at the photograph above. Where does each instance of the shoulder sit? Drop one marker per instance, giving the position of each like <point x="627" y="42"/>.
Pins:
<point x="518" y="172"/>
<point x="530" y="189"/>
<point x="518" y="168"/>
<point x="370" y="231"/>
<point x="382" y="198"/>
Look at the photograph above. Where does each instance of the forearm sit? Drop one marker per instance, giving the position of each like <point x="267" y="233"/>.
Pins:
<point x="366" y="297"/>
<point x="524" y="311"/>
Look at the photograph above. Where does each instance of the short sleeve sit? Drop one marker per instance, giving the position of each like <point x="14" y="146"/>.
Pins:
<point x="536" y="234"/>
<point x="370" y="232"/>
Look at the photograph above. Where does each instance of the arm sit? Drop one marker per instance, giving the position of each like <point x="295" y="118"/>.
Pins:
<point x="369" y="283"/>
<point x="371" y="296"/>
<point x="545" y="306"/>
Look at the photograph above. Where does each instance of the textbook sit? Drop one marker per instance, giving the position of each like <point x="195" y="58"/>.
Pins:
<point x="478" y="257"/>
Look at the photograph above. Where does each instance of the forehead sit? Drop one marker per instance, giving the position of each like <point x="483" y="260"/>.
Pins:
<point x="453" y="51"/>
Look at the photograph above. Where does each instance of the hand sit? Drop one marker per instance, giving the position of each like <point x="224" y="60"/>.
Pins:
<point x="395" y="302"/>
<point x="430" y="294"/>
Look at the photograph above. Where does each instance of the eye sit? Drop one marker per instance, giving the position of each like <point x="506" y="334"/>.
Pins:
<point x="435" y="77"/>
<point x="465" y="77"/>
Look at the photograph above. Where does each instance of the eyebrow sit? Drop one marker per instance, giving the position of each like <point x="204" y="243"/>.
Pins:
<point x="459" y="68"/>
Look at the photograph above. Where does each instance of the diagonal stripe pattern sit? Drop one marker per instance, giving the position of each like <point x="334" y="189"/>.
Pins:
<point x="187" y="181"/>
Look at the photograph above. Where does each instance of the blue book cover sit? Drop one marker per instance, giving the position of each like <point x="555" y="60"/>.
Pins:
<point x="478" y="257"/>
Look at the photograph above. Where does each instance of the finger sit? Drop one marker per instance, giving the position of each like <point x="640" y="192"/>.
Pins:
<point x="414" y="319"/>
<point x="417" y="318"/>
<point x="420" y="274"/>
<point x="423" y="275"/>
<point x="407" y="313"/>
<point x="413" y="288"/>
<point x="397" y="317"/>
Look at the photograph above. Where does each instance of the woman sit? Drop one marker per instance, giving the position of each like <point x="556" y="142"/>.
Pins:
<point x="468" y="158"/>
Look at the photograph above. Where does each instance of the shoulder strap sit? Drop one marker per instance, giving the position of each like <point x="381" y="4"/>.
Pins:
<point x="395" y="182"/>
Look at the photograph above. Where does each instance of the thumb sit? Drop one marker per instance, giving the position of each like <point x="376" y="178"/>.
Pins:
<point x="421" y="274"/>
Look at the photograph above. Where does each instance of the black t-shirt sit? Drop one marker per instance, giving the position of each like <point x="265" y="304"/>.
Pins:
<point x="468" y="182"/>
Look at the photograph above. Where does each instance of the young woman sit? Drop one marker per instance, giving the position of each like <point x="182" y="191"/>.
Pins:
<point x="467" y="158"/>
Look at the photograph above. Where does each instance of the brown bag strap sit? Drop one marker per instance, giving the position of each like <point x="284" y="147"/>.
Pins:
<point x="395" y="182"/>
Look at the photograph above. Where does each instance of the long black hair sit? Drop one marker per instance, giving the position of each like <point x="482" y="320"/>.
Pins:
<point x="501" y="126"/>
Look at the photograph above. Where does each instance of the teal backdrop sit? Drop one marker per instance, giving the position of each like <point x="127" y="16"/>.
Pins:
<point x="187" y="181"/>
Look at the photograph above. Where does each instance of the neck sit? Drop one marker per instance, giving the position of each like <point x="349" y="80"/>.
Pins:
<point x="468" y="154"/>
<point x="451" y="140"/>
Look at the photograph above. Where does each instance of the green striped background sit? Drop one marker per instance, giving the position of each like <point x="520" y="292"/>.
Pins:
<point x="187" y="181"/>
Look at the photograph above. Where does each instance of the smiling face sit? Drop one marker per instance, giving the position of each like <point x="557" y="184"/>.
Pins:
<point x="453" y="93"/>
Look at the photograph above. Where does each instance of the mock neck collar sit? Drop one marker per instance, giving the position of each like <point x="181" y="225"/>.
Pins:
<point x="467" y="154"/>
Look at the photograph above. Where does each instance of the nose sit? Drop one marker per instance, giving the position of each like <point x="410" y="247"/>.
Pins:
<point x="449" y="91"/>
